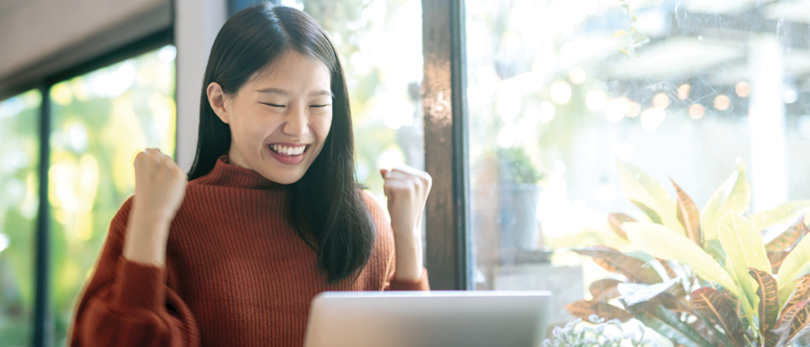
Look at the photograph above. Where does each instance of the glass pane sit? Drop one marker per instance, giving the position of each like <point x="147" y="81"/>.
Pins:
<point x="100" y="122"/>
<point x="380" y="46"/>
<point x="19" y="201"/>
<point x="562" y="92"/>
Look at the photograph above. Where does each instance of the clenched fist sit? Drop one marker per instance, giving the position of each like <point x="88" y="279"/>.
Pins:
<point x="160" y="186"/>
<point x="407" y="190"/>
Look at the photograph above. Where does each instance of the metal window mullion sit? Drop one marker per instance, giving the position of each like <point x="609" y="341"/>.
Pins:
<point x="444" y="102"/>
<point x="43" y="329"/>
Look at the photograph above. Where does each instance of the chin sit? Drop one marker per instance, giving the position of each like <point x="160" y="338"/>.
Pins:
<point x="284" y="178"/>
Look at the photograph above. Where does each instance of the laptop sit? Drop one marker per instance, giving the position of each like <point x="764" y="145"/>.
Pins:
<point x="428" y="319"/>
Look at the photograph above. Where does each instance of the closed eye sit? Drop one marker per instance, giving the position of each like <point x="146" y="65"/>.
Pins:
<point x="272" y="105"/>
<point x="320" y="106"/>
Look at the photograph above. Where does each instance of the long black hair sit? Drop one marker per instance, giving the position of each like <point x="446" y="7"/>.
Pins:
<point x="325" y="206"/>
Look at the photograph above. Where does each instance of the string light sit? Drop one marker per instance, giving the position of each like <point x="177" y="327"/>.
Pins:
<point x="633" y="109"/>
<point x="577" y="75"/>
<point x="722" y="102"/>
<point x="560" y="92"/>
<point x="743" y="89"/>
<point x="661" y="101"/>
<point x="616" y="109"/>
<point x="596" y="100"/>
<point x="651" y="118"/>
<point x="683" y="91"/>
<point x="697" y="111"/>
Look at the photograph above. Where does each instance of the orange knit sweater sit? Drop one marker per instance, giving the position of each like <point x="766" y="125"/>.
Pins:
<point x="236" y="273"/>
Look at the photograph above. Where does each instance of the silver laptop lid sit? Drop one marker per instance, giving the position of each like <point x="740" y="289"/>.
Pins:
<point x="428" y="319"/>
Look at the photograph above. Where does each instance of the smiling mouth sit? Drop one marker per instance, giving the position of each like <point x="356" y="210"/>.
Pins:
<point x="288" y="151"/>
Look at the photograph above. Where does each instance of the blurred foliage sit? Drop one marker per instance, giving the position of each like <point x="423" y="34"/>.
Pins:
<point x="516" y="167"/>
<point x="709" y="277"/>
<point x="19" y="159"/>
<point x="99" y="122"/>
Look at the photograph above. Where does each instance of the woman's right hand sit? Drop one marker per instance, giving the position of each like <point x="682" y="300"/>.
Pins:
<point x="160" y="186"/>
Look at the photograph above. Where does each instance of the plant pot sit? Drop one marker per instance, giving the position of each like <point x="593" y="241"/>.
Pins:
<point x="517" y="218"/>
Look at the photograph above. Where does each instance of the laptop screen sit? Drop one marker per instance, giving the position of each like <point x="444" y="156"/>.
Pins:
<point x="427" y="319"/>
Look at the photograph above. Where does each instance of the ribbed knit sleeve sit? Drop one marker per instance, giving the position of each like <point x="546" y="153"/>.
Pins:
<point x="129" y="304"/>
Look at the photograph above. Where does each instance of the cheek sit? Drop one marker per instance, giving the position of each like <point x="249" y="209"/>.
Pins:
<point x="322" y="127"/>
<point x="247" y="127"/>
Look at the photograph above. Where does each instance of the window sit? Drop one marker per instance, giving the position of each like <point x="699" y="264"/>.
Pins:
<point x="90" y="170"/>
<point x="379" y="43"/>
<point x="90" y="175"/>
<point x="19" y="150"/>
<point x="560" y="91"/>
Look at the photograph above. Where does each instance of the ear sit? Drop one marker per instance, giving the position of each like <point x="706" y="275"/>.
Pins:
<point x="216" y="98"/>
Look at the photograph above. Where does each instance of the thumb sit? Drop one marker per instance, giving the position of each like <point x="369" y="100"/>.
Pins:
<point x="383" y="172"/>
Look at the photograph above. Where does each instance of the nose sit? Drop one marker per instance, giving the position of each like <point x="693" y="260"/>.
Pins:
<point x="296" y="122"/>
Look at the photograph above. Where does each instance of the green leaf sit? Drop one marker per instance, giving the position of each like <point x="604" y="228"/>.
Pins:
<point x="779" y="214"/>
<point x="689" y="216"/>
<point x="667" y="324"/>
<point x="660" y="241"/>
<point x="620" y="33"/>
<point x="641" y="188"/>
<point x="733" y="195"/>
<point x="650" y="213"/>
<point x="768" y="308"/>
<point x="794" y="265"/>
<point x="720" y="310"/>
<point x="743" y="246"/>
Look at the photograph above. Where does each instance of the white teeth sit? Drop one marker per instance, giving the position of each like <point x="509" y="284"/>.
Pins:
<point x="288" y="151"/>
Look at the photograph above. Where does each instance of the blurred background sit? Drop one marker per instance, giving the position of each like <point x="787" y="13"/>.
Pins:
<point x="557" y="91"/>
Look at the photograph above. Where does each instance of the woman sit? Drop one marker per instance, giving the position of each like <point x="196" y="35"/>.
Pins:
<point x="269" y="215"/>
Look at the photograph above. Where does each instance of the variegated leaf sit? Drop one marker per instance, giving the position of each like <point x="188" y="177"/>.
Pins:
<point x="768" y="294"/>
<point x="616" y="220"/>
<point x="604" y="289"/>
<point x="784" y="326"/>
<point x="785" y="239"/>
<point x="636" y="270"/>
<point x="776" y="259"/>
<point x="584" y="308"/>
<point x="800" y="293"/>
<point x="689" y="216"/>
<point x="720" y="310"/>
<point x="667" y="323"/>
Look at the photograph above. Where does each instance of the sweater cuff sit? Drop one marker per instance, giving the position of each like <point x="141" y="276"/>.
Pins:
<point x="420" y="284"/>
<point x="140" y="285"/>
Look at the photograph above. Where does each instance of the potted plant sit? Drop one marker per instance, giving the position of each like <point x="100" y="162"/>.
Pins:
<point x="711" y="277"/>
<point x="518" y="191"/>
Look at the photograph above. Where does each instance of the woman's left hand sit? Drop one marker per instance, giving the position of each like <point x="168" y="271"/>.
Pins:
<point x="407" y="190"/>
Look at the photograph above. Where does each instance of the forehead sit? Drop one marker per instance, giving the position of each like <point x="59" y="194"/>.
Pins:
<point x="294" y="67"/>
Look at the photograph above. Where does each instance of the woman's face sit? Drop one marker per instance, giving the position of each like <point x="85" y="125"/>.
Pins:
<point x="280" y="118"/>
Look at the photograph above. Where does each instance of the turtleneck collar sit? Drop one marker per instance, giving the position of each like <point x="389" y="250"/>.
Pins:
<point x="226" y="174"/>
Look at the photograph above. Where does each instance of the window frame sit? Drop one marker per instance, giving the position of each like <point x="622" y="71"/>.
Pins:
<point x="448" y="247"/>
<point x="42" y="332"/>
<point x="444" y="90"/>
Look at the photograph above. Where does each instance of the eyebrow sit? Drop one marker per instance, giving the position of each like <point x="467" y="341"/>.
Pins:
<point x="285" y="93"/>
